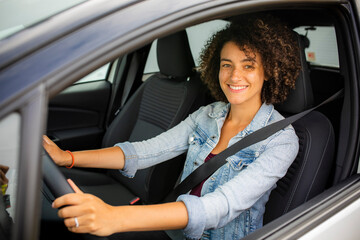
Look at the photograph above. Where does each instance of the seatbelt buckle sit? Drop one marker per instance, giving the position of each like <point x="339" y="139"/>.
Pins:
<point x="135" y="201"/>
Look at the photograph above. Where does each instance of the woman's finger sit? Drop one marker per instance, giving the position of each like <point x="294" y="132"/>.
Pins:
<point x="74" y="187"/>
<point x="72" y="211"/>
<point x="79" y="229"/>
<point x="59" y="156"/>
<point x="76" y="225"/>
<point x="47" y="143"/>
<point x="85" y="225"/>
<point x="80" y="224"/>
<point x="46" y="139"/>
<point x="73" y="222"/>
<point x="68" y="199"/>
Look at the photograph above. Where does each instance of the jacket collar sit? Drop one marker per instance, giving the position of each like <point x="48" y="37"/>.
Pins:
<point x="219" y="110"/>
<point x="260" y="120"/>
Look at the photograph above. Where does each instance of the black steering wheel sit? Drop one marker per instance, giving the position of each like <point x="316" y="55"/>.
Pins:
<point x="58" y="185"/>
<point x="53" y="177"/>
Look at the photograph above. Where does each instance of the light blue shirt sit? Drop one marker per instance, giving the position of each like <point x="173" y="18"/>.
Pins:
<point x="232" y="201"/>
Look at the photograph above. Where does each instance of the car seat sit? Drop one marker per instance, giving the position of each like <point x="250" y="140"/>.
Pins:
<point x="161" y="102"/>
<point x="309" y="173"/>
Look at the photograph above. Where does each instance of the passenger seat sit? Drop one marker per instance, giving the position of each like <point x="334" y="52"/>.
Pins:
<point x="309" y="173"/>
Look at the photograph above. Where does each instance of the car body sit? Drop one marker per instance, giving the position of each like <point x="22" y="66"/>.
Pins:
<point x="40" y="64"/>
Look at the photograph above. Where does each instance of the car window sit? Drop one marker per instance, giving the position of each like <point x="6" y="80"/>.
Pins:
<point x="151" y="65"/>
<point x="16" y="15"/>
<point x="9" y="152"/>
<point x="322" y="50"/>
<point x="198" y="36"/>
<point x="98" y="74"/>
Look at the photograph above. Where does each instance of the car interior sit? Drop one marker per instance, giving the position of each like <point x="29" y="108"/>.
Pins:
<point x="129" y="103"/>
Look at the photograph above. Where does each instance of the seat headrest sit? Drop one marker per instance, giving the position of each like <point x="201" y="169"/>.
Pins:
<point x="301" y="98"/>
<point x="305" y="41"/>
<point x="174" y="56"/>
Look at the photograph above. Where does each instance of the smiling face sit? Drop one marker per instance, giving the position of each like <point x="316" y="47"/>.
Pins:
<point x="241" y="77"/>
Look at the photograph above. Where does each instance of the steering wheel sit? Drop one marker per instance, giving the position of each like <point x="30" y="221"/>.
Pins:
<point x="58" y="185"/>
<point x="53" y="178"/>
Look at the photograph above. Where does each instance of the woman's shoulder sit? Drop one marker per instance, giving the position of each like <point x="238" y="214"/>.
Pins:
<point x="275" y="116"/>
<point x="215" y="109"/>
<point x="288" y="131"/>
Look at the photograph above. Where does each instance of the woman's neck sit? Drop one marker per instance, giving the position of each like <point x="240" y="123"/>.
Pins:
<point x="236" y="121"/>
<point x="242" y="115"/>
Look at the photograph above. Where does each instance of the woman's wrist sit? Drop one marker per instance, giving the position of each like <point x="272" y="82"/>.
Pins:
<point x="67" y="159"/>
<point x="72" y="159"/>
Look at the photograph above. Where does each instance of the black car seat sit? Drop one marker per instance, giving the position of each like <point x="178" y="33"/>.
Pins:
<point x="161" y="102"/>
<point x="309" y="173"/>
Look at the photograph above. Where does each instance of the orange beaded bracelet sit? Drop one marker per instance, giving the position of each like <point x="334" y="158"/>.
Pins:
<point x="73" y="159"/>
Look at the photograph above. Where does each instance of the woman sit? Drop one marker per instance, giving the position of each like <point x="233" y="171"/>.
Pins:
<point x="248" y="66"/>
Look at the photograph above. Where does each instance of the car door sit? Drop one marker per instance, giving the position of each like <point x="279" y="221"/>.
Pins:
<point x="76" y="116"/>
<point x="79" y="115"/>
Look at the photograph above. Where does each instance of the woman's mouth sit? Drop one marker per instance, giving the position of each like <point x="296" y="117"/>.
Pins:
<point x="237" y="88"/>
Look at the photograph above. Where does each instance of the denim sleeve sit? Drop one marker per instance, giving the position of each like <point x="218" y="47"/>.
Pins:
<point x="216" y="209"/>
<point x="144" y="154"/>
<point x="131" y="160"/>
<point x="197" y="221"/>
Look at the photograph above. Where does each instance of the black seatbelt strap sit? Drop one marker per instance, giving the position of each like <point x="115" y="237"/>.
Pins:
<point x="126" y="75"/>
<point x="208" y="168"/>
<point x="134" y="66"/>
<point x="119" y="65"/>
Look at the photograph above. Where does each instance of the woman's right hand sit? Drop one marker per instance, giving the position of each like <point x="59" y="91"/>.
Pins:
<point x="60" y="157"/>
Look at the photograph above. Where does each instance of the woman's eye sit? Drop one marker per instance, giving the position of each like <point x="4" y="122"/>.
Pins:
<point x="249" y="67"/>
<point x="226" y="65"/>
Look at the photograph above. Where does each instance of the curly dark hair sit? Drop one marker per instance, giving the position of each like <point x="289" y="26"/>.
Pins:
<point x="262" y="34"/>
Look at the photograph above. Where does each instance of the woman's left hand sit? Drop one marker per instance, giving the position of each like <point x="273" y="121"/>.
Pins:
<point x="85" y="213"/>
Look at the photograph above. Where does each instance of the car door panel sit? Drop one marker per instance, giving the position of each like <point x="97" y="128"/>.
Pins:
<point x="76" y="116"/>
<point x="310" y="215"/>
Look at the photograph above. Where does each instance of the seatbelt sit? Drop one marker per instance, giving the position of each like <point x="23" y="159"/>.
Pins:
<point x="117" y="70"/>
<point x="134" y="65"/>
<point x="208" y="168"/>
<point x="125" y="80"/>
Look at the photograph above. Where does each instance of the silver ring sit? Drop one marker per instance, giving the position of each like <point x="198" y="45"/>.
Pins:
<point x="76" y="222"/>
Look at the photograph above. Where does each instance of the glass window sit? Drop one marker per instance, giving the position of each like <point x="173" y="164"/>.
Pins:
<point x="198" y="36"/>
<point x="16" y="15"/>
<point x="322" y="50"/>
<point x="151" y="65"/>
<point x="9" y="152"/>
<point x="98" y="74"/>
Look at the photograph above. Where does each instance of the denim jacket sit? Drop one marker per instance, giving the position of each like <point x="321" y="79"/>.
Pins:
<point x="232" y="201"/>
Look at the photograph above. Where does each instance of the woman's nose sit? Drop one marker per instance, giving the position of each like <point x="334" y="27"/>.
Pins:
<point x="236" y="75"/>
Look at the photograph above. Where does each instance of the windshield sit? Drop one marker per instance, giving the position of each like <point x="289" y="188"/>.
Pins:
<point x="16" y="15"/>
